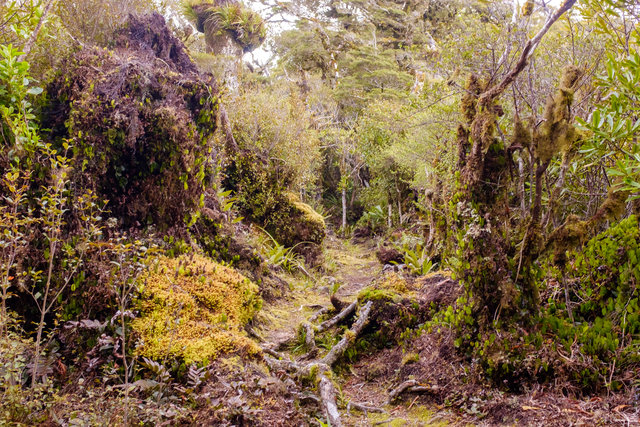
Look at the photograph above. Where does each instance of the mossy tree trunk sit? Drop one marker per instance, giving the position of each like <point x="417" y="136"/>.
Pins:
<point x="496" y="274"/>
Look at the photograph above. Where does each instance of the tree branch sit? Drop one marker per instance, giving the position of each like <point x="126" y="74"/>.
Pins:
<point x="34" y="35"/>
<point x="489" y="95"/>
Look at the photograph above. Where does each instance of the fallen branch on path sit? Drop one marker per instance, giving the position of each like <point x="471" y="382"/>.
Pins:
<point x="338" y="350"/>
<point x="348" y="311"/>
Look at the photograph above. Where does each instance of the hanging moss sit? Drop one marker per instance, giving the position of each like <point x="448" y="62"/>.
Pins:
<point x="568" y="236"/>
<point x="473" y="88"/>
<point x="612" y="208"/>
<point x="557" y="134"/>
<point x="521" y="135"/>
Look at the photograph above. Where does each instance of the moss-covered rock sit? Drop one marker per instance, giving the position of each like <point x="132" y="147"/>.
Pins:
<point x="140" y="119"/>
<point x="194" y="309"/>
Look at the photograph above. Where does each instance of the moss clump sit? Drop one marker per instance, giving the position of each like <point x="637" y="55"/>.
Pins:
<point x="557" y="134"/>
<point x="216" y="18"/>
<point x="311" y="225"/>
<point x="393" y="288"/>
<point x="141" y="120"/>
<point x="263" y="199"/>
<point x="473" y="88"/>
<point x="193" y="309"/>
<point x="521" y="136"/>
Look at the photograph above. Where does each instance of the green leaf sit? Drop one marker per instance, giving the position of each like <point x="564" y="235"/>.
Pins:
<point x="35" y="91"/>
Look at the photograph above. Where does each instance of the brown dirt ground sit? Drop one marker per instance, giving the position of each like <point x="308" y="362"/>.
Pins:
<point x="457" y="396"/>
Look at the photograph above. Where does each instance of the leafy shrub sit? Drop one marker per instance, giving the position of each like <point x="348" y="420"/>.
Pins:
<point x="417" y="260"/>
<point x="604" y="277"/>
<point x="374" y="219"/>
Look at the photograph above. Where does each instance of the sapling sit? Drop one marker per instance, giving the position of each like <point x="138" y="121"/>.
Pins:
<point x="129" y="260"/>
<point x="64" y="253"/>
<point x="15" y="220"/>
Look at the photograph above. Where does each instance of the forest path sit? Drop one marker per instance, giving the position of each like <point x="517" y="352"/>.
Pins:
<point x="349" y="265"/>
<point x="354" y="265"/>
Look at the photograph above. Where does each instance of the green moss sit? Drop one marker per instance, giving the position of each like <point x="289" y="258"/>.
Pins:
<point x="311" y="378"/>
<point x="393" y="288"/>
<point x="473" y="88"/>
<point x="263" y="199"/>
<point x="193" y="309"/>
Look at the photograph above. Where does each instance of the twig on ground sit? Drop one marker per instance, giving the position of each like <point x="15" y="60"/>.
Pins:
<point x="364" y="408"/>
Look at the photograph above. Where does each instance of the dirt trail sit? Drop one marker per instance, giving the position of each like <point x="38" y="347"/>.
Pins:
<point x="352" y="266"/>
<point x="355" y="265"/>
<point x="429" y="358"/>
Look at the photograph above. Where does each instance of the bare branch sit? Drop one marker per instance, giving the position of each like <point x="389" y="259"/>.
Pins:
<point x="489" y="95"/>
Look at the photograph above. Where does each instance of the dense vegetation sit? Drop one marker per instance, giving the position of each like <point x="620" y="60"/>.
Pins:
<point x="192" y="194"/>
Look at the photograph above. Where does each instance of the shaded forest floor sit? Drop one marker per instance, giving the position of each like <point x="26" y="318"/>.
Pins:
<point x="447" y="393"/>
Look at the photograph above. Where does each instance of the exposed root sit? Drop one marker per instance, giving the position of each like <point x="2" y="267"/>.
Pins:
<point x="322" y="311"/>
<point x="281" y="364"/>
<point x="338" y="350"/>
<point x="348" y="311"/>
<point x="317" y="369"/>
<point x="364" y="408"/>
<point x="310" y="340"/>
<point x="411" y="386"/>
<point x="328" y="397"/>
<point x="307" y="396"/>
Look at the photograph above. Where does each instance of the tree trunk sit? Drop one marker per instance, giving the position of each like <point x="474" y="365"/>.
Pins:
<point x="344" y="209"/>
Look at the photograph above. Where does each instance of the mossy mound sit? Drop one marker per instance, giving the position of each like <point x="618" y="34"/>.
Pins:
<point x="224" y="242"/>
<point x="194" y="309"/>
<point x="402" y="304"/>
<point x="263" y="199"/>
<point x="140" y="120"/>
<point x="309" y="225"/>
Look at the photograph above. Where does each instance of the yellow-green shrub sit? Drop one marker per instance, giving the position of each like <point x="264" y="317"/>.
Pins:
<point x="193" y="309"/>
